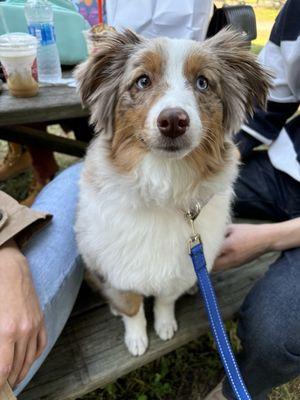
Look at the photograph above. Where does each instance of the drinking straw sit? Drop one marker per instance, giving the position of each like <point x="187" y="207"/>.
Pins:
<point x="100" y="12"/>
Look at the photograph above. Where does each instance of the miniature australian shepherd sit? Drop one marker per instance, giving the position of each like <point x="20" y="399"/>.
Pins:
<point x="164" y="111"/>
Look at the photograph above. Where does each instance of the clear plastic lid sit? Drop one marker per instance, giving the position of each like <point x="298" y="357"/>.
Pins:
<point x="17" y="43"/>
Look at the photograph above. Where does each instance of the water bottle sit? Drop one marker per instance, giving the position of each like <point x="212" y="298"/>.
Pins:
<point x="39" y="16"/>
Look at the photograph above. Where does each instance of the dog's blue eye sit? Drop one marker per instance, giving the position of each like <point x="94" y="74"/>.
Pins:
<point x="143" y="82"/>
<point x="202" y="83"/>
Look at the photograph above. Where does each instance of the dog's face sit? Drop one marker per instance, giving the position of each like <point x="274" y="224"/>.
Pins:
<point x="175" y="98"/>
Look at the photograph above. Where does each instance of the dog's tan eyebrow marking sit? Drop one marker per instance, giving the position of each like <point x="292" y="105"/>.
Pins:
<point x="200" y="64"/>
<point x="152" y="62"/>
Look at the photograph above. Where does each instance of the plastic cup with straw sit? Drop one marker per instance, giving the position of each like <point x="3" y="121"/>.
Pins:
<point x="18" y="58"/>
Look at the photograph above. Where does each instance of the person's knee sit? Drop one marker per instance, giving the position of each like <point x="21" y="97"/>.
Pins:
<point x="61" y="192"/>
<point x="266" y="342"/>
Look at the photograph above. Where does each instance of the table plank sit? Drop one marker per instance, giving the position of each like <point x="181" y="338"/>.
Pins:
<point x="29" y="136"/>
<point x="51" y="104"/>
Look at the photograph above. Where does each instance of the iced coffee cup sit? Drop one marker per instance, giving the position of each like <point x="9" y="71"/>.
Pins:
<point x="18" y="59"/>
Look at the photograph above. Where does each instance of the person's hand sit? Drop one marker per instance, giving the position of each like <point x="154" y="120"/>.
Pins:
<point x="243" y="243"/>
<point x="22" y="329"/>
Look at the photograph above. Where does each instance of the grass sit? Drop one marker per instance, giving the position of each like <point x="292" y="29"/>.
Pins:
<point x="193" y="370"/>
<point x="186" y="373"/>
<point x="265" y="18"/>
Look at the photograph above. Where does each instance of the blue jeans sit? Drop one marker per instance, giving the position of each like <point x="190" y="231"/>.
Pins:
<point x="269" y="320"/>
<point x="53" y="258"/>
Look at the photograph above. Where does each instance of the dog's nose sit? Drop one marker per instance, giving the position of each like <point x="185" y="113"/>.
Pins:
<point x="173" y="122"/>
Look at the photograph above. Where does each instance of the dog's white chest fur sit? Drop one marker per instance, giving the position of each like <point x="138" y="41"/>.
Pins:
<point x="142" y="251"/>
<point x="132" y="233"/>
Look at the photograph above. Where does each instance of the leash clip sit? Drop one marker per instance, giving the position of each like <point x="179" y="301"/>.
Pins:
<point x="190" y="216"/>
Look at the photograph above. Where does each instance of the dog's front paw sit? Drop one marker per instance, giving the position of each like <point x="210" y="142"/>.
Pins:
<point x="136" y="338"/>
<point x="166" y="328"/>
<point x="136" y="343"/>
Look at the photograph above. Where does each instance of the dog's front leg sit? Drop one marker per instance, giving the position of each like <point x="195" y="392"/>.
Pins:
<point x="130" y="307"/>
<point x="164" y="316"/>
<point x="136" y="338"/>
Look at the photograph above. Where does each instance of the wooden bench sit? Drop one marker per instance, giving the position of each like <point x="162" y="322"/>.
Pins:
<point x="91" y="353"/>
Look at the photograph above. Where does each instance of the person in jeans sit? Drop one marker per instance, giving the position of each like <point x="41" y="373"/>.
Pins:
<point x="268" y="188"/>
<point x="39" y="283"/>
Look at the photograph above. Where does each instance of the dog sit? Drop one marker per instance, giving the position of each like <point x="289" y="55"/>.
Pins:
<point x="164" y="111"/>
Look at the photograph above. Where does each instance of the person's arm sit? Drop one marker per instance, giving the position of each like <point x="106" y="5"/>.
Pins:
<point x="280" y="56"/>
<point x="285" y="235"/>
<point x="22" y="330"/>
<point x="264" y="127"/>
<point x="245" y="242"/>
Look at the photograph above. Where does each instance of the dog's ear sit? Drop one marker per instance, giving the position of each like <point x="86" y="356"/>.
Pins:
<point x="245" y="83"/>
<point x="99" y="77"/>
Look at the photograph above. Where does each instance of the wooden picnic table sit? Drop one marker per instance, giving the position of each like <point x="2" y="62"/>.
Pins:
<point x="53" y="103"/>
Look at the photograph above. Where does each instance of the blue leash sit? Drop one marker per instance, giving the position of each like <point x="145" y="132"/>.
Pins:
<point x="213" y="312"/>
